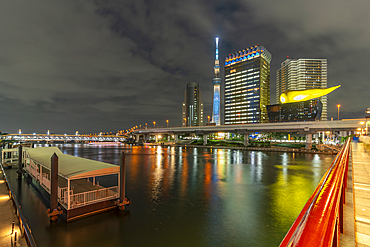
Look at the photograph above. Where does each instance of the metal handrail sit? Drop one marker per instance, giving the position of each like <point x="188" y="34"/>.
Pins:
<point x="27" y="230"/>
<point x="321" y="218"/>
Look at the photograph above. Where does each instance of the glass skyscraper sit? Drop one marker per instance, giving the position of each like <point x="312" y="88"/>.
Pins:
<point x="247" y="86"/>
<point x="192" y="108"/>
<point x="301" y="74"/>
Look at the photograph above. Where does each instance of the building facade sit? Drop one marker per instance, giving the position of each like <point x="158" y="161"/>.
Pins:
<point x="247" y="86"/>
<point x="301" y="74"/>
<point x="309" y="110"/>
<point x="216" y="118"/>
<point x="192" y="107"/>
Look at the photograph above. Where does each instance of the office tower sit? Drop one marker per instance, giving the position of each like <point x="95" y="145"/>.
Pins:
<point x="300" y="74"/>
<point x="216" y="90"/>
<point x="192" y="108"/>
<point x="247" y="86"/>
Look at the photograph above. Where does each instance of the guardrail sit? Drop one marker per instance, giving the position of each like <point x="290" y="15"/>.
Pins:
<point x="321" y="219"/>
<point x="22" y="220"/>
<point x="81" y="199"/>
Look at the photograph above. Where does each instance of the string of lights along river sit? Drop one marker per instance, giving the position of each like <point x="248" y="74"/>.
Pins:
<point x="186" y="197"/>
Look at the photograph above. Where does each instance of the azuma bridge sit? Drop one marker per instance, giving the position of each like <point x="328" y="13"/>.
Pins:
<point x="308" y="128"/>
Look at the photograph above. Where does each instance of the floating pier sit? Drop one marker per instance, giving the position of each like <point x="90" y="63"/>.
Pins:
<point x="78" y="187"/>
<point x="10" y="155"/>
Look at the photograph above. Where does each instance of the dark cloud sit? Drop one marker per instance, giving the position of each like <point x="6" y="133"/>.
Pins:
<point x="108" y="65"/>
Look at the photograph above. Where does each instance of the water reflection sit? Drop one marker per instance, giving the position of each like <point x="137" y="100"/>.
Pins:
<point x="189" y="197"/>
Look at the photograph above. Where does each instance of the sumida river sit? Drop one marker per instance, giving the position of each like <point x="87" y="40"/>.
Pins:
<point x="186" y="197"/>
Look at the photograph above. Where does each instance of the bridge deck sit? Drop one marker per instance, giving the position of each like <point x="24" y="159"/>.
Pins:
<point x="361" y="192"/>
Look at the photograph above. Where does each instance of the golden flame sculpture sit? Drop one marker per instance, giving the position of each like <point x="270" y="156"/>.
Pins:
<point x="303" y="95"/>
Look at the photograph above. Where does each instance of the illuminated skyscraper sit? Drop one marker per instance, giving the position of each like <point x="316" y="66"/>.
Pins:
<point x="216" y="90"/>
<point x="247" y="86"/>
<point x="192" y="108"/>
<point x="301" y="74"/>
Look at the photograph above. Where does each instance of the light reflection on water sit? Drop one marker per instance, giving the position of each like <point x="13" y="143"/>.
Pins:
<point x="188" y="197"/>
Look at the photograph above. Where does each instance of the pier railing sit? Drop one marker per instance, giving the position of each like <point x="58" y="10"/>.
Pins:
<point x="321" y="220"/>
<point x="88" y="197"/>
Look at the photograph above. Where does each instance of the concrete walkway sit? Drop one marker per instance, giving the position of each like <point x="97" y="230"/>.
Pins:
<point x="7" y="216"/>
<point x="361" y="193"/>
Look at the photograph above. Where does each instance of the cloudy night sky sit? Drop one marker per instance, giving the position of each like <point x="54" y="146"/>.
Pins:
<point x="108" y="65"/>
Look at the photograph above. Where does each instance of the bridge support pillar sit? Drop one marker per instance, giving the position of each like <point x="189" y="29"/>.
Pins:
<point x="308" y="141"/>
<point x="323" y="136"/>
<point x="176" y="139"/>
<point x="205" y="140"/>
<point x="145" y="138"/>
<point x="137" y="138"/>
<point x="246" y="139"/>
<point x="156" y="138"/>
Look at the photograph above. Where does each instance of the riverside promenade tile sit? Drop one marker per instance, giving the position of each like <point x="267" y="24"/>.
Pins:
<point x="7" y="216"/>
<point x="361" y="193"/>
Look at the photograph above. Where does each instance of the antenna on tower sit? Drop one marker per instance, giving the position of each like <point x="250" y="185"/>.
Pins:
<point x="217" y="48"/>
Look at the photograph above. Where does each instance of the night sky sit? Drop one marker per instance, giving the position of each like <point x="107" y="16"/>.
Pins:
<point x="108" y="65"/>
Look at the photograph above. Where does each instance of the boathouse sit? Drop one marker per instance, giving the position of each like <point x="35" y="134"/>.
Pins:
<point x="84" y="186"/>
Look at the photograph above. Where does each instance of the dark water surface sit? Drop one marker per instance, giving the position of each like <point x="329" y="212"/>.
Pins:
<point x="186" y="197"/>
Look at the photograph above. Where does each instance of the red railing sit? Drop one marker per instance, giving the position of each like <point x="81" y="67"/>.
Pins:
<point x="321" y="219"/>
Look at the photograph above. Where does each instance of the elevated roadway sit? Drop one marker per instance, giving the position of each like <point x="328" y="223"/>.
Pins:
<point x="304" y="127"/>
<point x="308" y="128"/>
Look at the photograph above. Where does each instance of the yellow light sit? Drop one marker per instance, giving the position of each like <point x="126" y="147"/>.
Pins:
<point x="3" y="198"/>
<point x="303" y="95"/>
<point x="358" y="128"/>
<point x="362" y="123"/>
<point x="159" y="136"/>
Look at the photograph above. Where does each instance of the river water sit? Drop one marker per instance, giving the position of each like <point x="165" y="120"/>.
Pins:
<point x="186" y="197"/>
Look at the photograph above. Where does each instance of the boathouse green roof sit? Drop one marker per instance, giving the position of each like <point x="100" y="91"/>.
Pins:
<point x="71" y="167"/>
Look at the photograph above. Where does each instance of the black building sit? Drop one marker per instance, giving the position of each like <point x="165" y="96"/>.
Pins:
<point x="309" y="110"/>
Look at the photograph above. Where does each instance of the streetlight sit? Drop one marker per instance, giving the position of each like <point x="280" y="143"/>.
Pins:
<point x="185" y="121"/>
<point x="167" y="123"/>
<point x="338" y="111"/>
<point x="154" y="124"/>
<point x="208" y="119"/>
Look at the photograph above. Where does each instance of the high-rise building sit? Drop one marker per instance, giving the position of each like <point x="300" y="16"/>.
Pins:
<point x="192" y="108"/>
<point x="216" y="119"/>
<point x="247" y="86"/>
<point x="301" y="74"/>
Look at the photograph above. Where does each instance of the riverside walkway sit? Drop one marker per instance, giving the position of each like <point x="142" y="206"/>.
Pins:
<point x="361" y="192"/>
<point x="7" y="216"/>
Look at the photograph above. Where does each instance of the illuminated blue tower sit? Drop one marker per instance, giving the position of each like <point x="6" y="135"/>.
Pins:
<point x="216" y="90"/>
